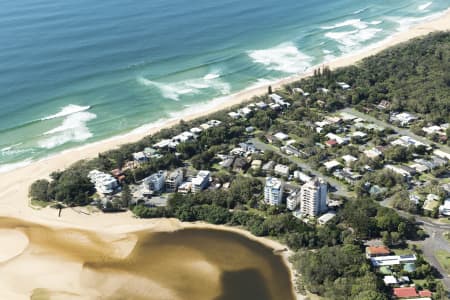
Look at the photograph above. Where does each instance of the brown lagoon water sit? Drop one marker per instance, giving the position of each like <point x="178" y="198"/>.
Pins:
<point x="185" y="264"/>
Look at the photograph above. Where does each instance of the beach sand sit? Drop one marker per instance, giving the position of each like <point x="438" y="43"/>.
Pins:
<point x="14" y="184"/>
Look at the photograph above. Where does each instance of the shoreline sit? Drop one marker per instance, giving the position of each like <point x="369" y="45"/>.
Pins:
<point x="14" y="183"/>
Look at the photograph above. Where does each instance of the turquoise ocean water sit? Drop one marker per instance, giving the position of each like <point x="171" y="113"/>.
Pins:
<point x="76" y="72"/>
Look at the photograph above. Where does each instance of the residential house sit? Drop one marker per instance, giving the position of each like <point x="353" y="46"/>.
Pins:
<point x="404" y="118"/>
<point x="372" y="153"/>
<point x="405" y="292"/>
<point x="267" y="167"/>
<point x="392" y="260"/>
<point x="343" y="85"/>
<point x="376" y="251"/>
<point x="281" y="170"/>
<point x="331" y="165"/>
<point x="349" y="159"/>
<point x="302" y="176"/>
<point x="325" y="218"/>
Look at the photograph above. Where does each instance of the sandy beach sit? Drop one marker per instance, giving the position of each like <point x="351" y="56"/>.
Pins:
<point x="14" y="184"/>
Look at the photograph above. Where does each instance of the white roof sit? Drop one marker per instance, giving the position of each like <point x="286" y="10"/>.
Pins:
<point x="347" y="117"/>
<point x="349" y="158"/>
<point x="274" y="183"/>
<point x="371" y="153"/>
<point x="331" y="164"/>
<point x="326" y="217"/>
<point x="441" y="154"/>
<point x="281" y="136"/>
<point x="390" y="280"/>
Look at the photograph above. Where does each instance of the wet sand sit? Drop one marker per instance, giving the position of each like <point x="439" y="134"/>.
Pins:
<point x="191" y="263"/>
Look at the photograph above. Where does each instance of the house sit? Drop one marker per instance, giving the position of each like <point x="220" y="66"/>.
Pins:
<point x="384" y="104"/>
<point x="331" y="143"/>
<point x="332" y="164"/>
<point x="392" y="260"/>
<point x="256" y="164"/>
<point x="239" y="164"/>
<point x="343" y="85"/>
<point x="390" y="280"/>
<point x="346" y="117"/>
<point x="323" y="90"/>
<point x="281" y="170"/>
<point x="267" y="167"/>
<point x="140" y="157"/>
<point x="375" y="251"/>
<point x="425" y="293"/>
<point x="338" y="139"/>
<point x="174" y="180"/>
<point x="431" y="202"/>
<point x="201" y="181"/>
<point x="445" y="209"/>
<point x="234" y="115"/>
<point x="372" y="153"/>
<point x="442" y="154"/>
<point x="244" y="112"/>
<point x="196" y="130"/>
<point x="249" y="129"/>
<point x="349" y="159"/>
<point x="399" y="170"/>
<point x="403" y="118"/>
<point x="407" y="141"/>
<point x="325" y="218"/>
<point x="281" y="136"/>
<point x="433" y="129"/>
<point x="162" y="144"/>
<point x="275" y="97"/>
<point x="302" y="176"/>
<point x="405" y="292"/>
<point x="261" y="105"/>
<point x="359" y="135"/>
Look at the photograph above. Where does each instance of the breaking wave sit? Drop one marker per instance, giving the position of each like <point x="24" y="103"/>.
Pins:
<point x="175" y="90"/>
<point x="353" y="39"/>
<point x="424" y="6"/>
<point x="67" y="110"/>
<point x="285" y="58"/>
<point x="73" y="129"/>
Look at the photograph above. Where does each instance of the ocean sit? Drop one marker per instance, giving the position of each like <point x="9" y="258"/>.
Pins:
<point x="76" y="72"/>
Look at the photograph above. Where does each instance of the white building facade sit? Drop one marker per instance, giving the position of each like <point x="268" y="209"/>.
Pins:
<point x="273" y="191"/>
<point x="201" y="181"/>
<point x="313" y="197"/>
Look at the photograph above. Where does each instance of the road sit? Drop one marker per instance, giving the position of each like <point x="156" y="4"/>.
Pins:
<point x="341" y="189"/>
<point x="435" y="241"/>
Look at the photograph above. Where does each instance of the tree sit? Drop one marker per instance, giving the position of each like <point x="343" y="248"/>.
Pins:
<point x="126" y="196"/>
<point x="39" y="190"/>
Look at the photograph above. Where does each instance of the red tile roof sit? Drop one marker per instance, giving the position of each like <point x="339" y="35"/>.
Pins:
<point x="331" y="142"/>
<point x="405" y="292"/>
<point x="378" y="250"/>
<point x="425" y="293"/>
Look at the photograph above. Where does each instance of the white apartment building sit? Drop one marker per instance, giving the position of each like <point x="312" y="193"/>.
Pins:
<point x="201" y="181"/>
<point x="313" y="197"/>
<point x="104" y="183"/>
<point x="174" y="180"/>
<point x="155" y="182"/>
<point x="293" y="200"/>
<point x="273" y="191"/>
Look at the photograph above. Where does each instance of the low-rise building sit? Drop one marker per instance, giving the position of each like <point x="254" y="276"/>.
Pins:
<point x="392" y="260"/>
<point x="403" y="118"/>
<point x="376" y="251"/>
<point x="256" y="164"/>
<point x="372" y="153"/>
<point x="302" y="176"/>
<point x="332" y="164"/>
<point x="348" y="159"/>
<point x="104" y="183"/>
<point x="327" y="217"/>
<point x="293" y="200"/>
<point x="281" y="170"/>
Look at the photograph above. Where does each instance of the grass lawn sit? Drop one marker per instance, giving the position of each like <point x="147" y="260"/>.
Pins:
<point x="426" y="177"/>
<point x="443" y="258"/>
<point x="447" y="235"/>
<point x="402" y="251"/>
<point x="39" y="203"/>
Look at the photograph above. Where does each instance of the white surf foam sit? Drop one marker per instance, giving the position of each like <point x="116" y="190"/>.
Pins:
<point x="67" y="110"/>
<point x="285" y="58"/>
<point x="357" y="12"/>
<point x="191" y="86"/>
<point x="424" y="6"/>
<point x="74" y="128"/>
<point x="9" y="167"/>
<point x="356" y="23"/>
